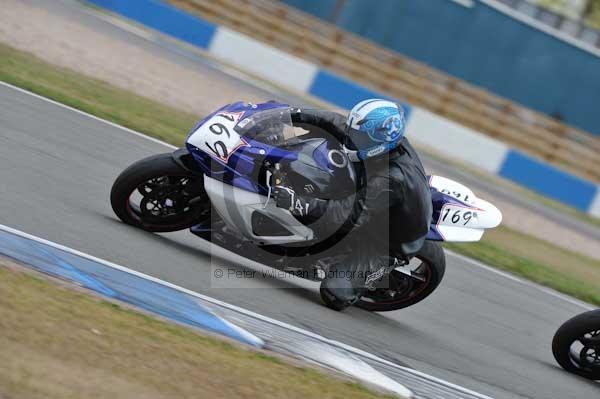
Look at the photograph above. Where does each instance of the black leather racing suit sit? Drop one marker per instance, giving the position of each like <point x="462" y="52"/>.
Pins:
<point x="391" y="214"/>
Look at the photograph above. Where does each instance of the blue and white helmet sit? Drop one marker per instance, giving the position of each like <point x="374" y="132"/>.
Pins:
<point x="374" y="127"/>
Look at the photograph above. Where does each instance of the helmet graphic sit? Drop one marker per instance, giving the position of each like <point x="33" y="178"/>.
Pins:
<point x="374" y="127"/>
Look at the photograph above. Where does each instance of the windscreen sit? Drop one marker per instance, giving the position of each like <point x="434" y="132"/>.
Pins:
<point x="273" y="126"/>
<point x="228" y="129"/>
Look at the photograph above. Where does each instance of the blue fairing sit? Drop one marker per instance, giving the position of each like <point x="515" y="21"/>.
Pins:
<point x="240" y="170"/>
<point x="320" y="156"/>
<point x="433" y="234"/>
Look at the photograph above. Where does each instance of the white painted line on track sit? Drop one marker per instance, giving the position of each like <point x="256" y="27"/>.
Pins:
<point x="473" y="262"/>
<point x="352" y="365"/>
<point x="77" y="111"/>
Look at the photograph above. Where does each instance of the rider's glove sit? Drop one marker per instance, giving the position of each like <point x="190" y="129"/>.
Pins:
<point x="286" y="198"/>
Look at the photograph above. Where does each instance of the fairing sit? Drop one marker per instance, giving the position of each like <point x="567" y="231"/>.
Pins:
<point x="458" y="214"/>
<point x="266" y="130"/>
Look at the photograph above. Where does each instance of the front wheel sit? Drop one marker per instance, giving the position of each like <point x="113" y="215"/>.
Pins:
<point x="159" y="195"/>
<point x="407" y="287"/>
<point x="576" y="345"/>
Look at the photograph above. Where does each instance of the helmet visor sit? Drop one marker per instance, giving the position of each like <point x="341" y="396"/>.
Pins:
<point x="357" y="140"/>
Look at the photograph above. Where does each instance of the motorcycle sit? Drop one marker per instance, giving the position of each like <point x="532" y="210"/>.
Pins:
<point x="576" y="345"/>
<point x="219" y="186"/>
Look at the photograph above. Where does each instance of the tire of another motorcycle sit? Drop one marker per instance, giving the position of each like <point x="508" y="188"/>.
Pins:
<point x="172" y="198"/>
<point x="432" y="269"/>
<point x="583" y="326"/>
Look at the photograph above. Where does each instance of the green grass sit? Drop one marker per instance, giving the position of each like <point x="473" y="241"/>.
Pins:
<point x="57" y="342"/>
<point x="503" y="248"/>
<point x="94" y="96"/>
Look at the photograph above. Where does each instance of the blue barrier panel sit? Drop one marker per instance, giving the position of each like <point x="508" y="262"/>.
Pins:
<point x="343" y="92"/>
<point x="164" y="18"/>
<point x="120" y="285"/>
<point x="548" y="180"/>
<point x="483" y="46"/>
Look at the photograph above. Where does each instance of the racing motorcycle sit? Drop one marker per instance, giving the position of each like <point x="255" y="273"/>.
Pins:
<point x="576" y="345"/>
<point x="219" y="186"/>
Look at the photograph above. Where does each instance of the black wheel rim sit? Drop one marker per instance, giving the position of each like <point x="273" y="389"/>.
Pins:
<point x="585" y="351"/>
<point x="166" y="200"/>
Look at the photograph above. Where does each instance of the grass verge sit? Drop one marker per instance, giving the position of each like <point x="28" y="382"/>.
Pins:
<point x="504" y="248"/>
<point x="57" y="342"/>
<point x="94" y="96"/>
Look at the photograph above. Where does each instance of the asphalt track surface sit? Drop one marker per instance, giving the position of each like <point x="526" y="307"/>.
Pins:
<point x="480" y="329"/>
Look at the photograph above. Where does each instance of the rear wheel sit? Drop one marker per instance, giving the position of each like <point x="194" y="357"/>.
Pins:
<point x="576" y="345"/>
<point x="406" y="288"/>
<point x="159" y="195"/>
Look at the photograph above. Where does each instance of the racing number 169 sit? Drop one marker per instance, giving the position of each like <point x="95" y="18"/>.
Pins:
<point x="457" y="216"/>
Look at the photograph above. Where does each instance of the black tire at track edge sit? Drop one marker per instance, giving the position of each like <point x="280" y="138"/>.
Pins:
<point x="567" y="334"/>
<point x="433" y="253"/>
<point x="133" y="176"/>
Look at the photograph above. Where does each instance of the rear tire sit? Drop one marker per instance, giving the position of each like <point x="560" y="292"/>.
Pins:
<point x="434" y="267"/>
<point x="160" y="168"/>
<point x="573" y="331"/>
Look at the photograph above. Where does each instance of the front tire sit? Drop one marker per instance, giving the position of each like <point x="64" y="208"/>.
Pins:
<point x="576" y="345"/>
<point x="405" y="291"/>
<point x="172" y="197"/>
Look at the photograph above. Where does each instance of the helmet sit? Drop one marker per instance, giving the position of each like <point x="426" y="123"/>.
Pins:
<point x="374" y="127"/>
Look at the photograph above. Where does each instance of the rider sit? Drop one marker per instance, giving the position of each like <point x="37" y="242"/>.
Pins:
<point x="389" y="217"/>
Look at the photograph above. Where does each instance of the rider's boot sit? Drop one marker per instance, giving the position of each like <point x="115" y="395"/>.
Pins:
<point x="337" y="290"/>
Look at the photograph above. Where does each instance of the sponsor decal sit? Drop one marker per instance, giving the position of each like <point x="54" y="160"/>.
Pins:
<point x="302" y="208"/>
<point x="243" y="123"/>
<point x="376" y="151"/>
<point x="377" y="275"/>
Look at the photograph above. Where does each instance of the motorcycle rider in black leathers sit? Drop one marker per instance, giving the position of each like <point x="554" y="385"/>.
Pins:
<point x="389" y="217"/>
